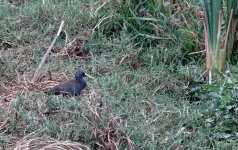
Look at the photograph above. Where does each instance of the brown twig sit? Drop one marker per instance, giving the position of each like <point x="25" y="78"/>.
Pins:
<point x="46" y="54"/>
<point x="58" y="111"/>
<point x="226" y="37"/>
<point x="197" y="52"/>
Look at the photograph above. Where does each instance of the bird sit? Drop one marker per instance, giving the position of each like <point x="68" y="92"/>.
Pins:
<point x="71" y="87"/>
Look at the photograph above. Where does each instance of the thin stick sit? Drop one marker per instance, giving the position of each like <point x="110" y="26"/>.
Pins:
<point x="192" y="53"/>
<point x="46" y="54"/>
<point x="226" y="37"/>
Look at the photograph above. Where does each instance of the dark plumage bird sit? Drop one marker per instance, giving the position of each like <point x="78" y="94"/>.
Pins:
<point x="71" y="87"/>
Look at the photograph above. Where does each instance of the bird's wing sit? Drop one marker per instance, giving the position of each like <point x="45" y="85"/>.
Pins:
<point x="61" y="88"/>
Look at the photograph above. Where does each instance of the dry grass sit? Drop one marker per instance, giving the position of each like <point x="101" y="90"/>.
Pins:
<point x="108" y="136"/>
<point x="45" y="143"/>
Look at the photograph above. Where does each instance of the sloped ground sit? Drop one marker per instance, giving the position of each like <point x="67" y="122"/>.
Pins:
<point x="136" y="100"/>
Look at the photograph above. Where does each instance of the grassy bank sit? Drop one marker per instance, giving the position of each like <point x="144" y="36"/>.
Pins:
<point x="137" y="54"/>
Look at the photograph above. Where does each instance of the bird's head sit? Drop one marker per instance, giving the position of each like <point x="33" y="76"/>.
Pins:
<point x="81" y="74"/>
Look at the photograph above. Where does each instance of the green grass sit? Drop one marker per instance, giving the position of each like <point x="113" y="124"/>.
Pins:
<point x="137" y="93"/>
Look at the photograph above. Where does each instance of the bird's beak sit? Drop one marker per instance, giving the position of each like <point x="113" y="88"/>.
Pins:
<point x="87" y="75"/>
